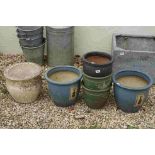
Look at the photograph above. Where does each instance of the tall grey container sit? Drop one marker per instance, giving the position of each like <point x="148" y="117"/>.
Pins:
<point x="60" y="45"/>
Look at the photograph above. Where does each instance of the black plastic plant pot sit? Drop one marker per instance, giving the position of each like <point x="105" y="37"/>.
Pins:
<point x="95" y="69"/>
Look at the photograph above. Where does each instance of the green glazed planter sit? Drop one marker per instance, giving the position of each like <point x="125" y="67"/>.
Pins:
<point x="97" y="83"/>
<point x="95" y="99"/>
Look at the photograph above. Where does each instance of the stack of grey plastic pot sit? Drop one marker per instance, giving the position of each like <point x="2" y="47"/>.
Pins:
<point x="32" y="43"/>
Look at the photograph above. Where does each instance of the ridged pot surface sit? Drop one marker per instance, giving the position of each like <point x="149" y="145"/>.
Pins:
<point x="29" y="30"/>
<point x="31" y="36"/>
<point x="97" y="69"/>
<point x="95" y="99"/>
<point x="97" y="83"/>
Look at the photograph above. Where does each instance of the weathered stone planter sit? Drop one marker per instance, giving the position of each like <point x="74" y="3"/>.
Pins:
<point x="134" y="52"/>
<point x="23" y="81"/>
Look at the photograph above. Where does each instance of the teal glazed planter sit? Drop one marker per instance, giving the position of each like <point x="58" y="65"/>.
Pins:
<point x="131" y="99"/>
<point x="64" y="94"/>
<point x="95" y="99"/>
<point x="97" y="83"/>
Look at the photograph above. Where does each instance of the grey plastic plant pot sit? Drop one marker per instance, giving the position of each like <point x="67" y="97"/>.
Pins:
<point x="29" y="30"/>
<point x="34" y="54"/>
<point x="31" y="42"/>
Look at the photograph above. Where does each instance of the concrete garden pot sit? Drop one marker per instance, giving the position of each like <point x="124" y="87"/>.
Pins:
<point x="23" y="81"/>
<point x="134" y="52"/>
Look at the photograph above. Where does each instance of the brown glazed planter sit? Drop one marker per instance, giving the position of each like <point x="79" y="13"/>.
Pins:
<point x="23" y="81"/>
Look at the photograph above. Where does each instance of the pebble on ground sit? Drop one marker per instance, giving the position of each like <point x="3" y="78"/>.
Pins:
<point x="44" y="114"/>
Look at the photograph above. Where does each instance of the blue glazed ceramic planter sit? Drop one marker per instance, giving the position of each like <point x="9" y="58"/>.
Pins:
<point x="131" y="99"/>
<point x="64" y="94"/>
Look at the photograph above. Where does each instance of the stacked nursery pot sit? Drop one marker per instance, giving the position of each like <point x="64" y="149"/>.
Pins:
<point x="97" y="78"/>
<point x="32" y="43"/>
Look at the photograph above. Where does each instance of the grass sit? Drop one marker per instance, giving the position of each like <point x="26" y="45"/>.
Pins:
<point x="132" y="127"/>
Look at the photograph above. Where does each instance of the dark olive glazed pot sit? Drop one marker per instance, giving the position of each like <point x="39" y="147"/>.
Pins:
<point x="97" y="70"/>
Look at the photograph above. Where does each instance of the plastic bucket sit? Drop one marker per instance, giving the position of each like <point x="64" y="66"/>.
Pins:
<point x="131" y="99"/>
<point x="64" y="94"/>
<point x="97" y="83"/>
<point x="34" y="54"/>
<point x="60" y="45"/>
<point x="95" y="98"/>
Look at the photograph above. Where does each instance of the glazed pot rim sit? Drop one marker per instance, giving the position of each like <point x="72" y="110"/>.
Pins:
<point x="97" y="78"/>
<point x="6" y="71"/>
<point x="98" y="53"/>
<point x="150" y="81"/>
<point x="65" y="66"/>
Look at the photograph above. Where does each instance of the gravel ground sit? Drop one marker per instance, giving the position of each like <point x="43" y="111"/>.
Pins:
<point x="44" y="114"/>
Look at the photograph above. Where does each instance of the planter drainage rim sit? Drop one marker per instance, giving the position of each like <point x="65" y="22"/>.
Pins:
<point x="37" y="73"/>
<point x="124" y="87"/>
<point x="57" y="83"/>
<point x="99" y="53"/>
<point x="35" y="46"/>
<point x="96" y="78"/>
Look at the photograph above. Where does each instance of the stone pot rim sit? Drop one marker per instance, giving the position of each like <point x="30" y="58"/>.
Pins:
<point x="32" y="76"/>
